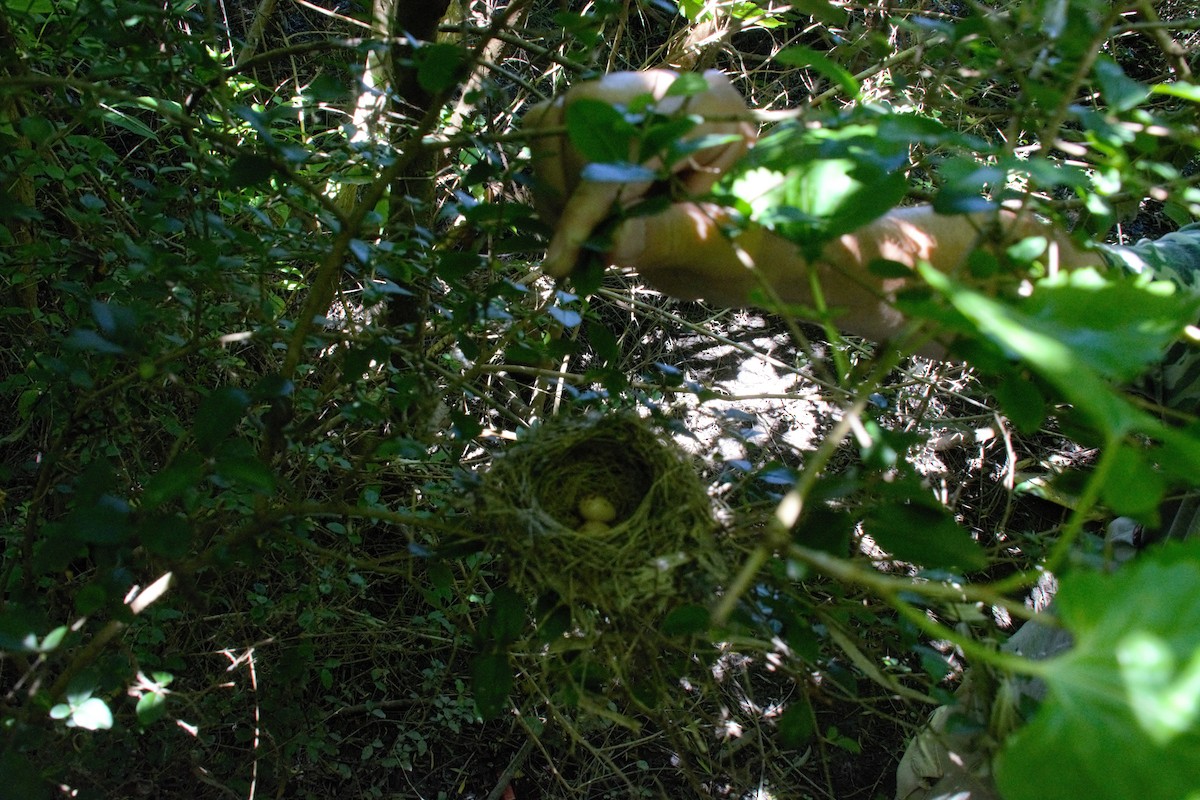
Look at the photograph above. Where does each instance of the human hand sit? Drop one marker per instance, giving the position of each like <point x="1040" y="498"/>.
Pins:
<point x="578" y="205"/>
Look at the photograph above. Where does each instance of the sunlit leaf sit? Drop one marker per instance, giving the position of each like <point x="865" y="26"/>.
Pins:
<point x="151" y="707"/>
<point x="92" y="714"/>
<point x="1122" y="714"/>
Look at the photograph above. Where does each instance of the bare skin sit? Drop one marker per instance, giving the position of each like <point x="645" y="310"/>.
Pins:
<point x="682" y="251"/>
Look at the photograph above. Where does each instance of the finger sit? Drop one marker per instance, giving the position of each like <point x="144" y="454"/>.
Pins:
<point x="551" y="185"/>
<point x="588" y="206"/>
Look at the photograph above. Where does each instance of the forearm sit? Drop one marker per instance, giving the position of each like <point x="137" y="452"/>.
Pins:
<point x="683" y="252"/>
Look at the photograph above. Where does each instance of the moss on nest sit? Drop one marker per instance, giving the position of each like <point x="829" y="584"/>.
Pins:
<point x="530" y="513"/>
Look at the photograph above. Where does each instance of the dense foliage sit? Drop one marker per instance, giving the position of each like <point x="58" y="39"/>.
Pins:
<point x="271" y="307"/>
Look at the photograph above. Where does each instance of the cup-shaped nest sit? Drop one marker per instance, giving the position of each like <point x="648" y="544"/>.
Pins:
<point x="601" y="512"/>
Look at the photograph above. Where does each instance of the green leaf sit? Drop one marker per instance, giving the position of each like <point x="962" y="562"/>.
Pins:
<point x="796" y="722"/>
<point x="165" y="534"/>
<point x="151" y="707"/>
<point x="439" y="65"/>
<point x="1181" y="89"/>
<point x="507" y="618"/>
<point x="21" y="778"/>
<point x="800" y="56"/>
<point x="131" y="124"/>
<point x="1120" y="92"/>
<point x="491" y="682"/>
<point x="246" y="470"/>
<point x="218" y="415"/>
<point x="1133" y="487"/>
<point x="1023" y="404"/>
<point x="923" y="534"/>
<point x="568" y="318"/>
<point x="173" y="481"/>
<point x="687" y="84"/>
<point x="250" y="169"/>
<point x="823" y="10"/>
<point x="90" y="599"/>
<point x="92" y="714"/>
<point x="1079" y="333"/>
<point x="886" y="268"/>
<point x="1122" y="714"/>
<point x="599" y="131"/>
<point x="36" y="129"/>
<point x="686" y="620"/>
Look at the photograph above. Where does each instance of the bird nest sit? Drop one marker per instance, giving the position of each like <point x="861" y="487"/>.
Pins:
<point x="599" y="512"/>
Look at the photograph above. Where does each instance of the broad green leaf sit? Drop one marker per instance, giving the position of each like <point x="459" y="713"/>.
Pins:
<point x="172" y="481"/>
<point x="1133" y="487"/>
<point x="925" y="535"/>
<point x="1122" y="714"/>
<point x="92" y="714"/>
<point x="131" y="124"/>
<point x="1021" y="400"/>
<point x="599" y="131"/>
<point x="686" y="620"/>
<point x="687" y="84"/>
<point x="491" y="681"/>
<point x="507" y="617"/>
<point x="795" y="725"/>
<point x="1118" y="328"/>
<point x="1187" y="91"/>
<point x="90" y="599"/>
<point x="151" y="707"/>
<point x="249" y="169"/>
<point x="438" y="66"/>
<point x="104" y="522"/>
<point x="218" y="415"/>
<point x="22" y="778"/>
<point x="568" y="318"/>
<point x="37" y="129"/>
<point x="1120" y="92"/>
<point x="246" y="471"/>
<point x="823" y="10"/>
<point x="1073" y="345"/>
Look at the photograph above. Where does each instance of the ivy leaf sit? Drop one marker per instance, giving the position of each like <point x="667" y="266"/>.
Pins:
<point x="1122" y="714"/>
